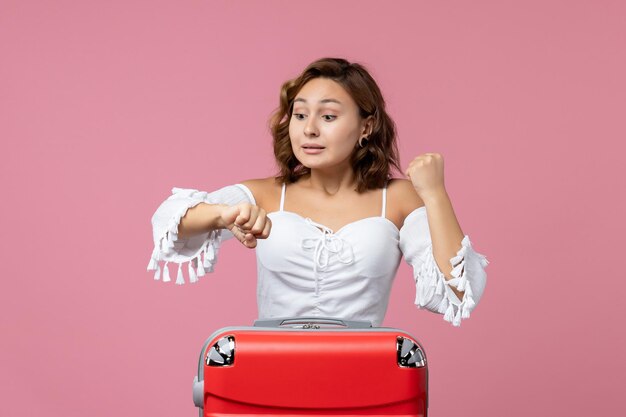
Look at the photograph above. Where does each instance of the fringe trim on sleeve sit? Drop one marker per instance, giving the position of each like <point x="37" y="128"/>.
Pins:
<point x="430" y="281"/>
<point x="197" y="267"/>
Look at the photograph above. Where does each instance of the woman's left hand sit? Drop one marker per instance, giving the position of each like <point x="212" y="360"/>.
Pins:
<point x="426" y="174"/>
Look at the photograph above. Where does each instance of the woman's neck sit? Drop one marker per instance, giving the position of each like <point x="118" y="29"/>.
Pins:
<point x="331" y="182"/>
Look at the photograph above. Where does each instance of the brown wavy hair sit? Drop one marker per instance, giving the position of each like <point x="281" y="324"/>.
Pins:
<point x="373" y="162"/>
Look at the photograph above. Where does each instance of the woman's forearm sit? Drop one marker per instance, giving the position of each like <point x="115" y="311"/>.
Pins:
<point x="200" y="219"/>
<point x="445" y="232"/>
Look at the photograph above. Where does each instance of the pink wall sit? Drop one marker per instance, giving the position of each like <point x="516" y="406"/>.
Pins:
<point x="105" y="106"/>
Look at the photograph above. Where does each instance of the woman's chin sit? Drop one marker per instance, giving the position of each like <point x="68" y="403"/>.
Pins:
<point x="310" y="161"/>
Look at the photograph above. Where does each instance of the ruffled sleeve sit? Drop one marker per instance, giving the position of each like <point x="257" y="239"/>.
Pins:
<point x="169" y="248"/>
<point x="433" y="291"/>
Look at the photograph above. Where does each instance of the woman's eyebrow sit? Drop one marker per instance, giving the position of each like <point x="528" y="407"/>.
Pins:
<point x="326" y="100"/>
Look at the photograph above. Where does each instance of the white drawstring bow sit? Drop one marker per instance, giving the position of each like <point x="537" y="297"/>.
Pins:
<point x="325" y="246"/>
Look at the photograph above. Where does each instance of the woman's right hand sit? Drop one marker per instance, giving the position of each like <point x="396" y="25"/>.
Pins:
<point x="247" y="223"/>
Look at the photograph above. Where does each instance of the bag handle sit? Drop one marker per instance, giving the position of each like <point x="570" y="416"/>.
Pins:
<point x="312" y="323"/>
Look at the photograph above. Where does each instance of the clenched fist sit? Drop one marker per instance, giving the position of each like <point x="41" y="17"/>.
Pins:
<point x="426" y="174"/>
<point x="246" y="222"/>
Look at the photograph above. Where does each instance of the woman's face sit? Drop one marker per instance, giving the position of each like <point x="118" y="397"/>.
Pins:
<point x="325" y="125"/>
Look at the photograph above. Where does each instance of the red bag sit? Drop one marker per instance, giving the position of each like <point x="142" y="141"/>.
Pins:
<point x="311" y="366"/>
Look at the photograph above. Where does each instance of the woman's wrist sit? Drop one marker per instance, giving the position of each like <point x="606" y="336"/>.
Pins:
<point x="434" y="196"/>
<point x="201" y="218"/>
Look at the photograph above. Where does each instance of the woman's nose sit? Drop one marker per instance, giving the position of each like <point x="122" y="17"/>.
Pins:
<point x="310" y="129"/>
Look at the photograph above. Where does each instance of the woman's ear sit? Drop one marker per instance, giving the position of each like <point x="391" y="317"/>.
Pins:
<point x="368" y="126"/>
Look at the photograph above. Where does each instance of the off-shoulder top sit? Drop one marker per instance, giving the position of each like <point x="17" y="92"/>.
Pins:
<point x="306" y="269"/>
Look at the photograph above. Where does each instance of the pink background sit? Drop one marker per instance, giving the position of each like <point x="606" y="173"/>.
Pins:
<point x="105" y="106"/>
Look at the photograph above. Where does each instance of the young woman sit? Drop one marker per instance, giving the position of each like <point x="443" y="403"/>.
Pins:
<point x="331" y="228"/>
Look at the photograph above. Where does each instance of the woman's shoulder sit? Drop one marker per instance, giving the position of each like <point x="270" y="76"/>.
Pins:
<point x="402" y="199"/>
<point x="266" y="192"/>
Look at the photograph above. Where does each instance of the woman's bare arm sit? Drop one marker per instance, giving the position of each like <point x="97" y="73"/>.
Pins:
<point x="426" y="173"/>
<point x="201" y="219"/>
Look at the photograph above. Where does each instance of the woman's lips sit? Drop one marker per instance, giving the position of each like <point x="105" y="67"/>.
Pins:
<point x="312" y="149"/>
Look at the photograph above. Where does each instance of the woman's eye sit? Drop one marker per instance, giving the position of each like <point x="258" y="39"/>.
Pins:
<point x="297" y="116"/>
<point x="332" y="117"/>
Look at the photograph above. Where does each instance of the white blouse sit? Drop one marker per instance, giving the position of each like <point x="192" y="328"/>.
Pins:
<point x="306" y="269"/>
